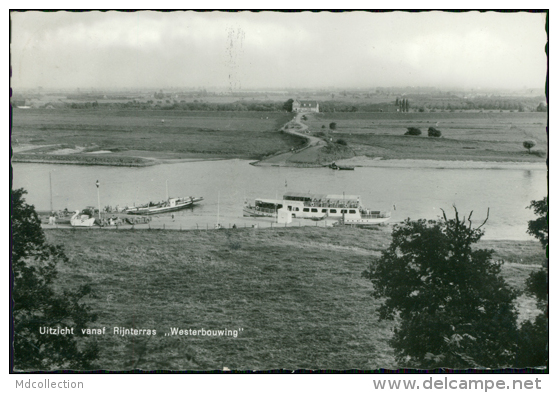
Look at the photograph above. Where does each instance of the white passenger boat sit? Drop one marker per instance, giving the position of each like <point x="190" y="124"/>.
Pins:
<point x="346" y="208"/>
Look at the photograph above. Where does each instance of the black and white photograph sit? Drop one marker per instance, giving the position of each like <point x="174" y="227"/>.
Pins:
<point x="279" y="190"/>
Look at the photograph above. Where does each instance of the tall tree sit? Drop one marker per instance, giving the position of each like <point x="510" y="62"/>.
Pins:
<point x="38" y="306"/>
<point x="539" y="226"/>
<point x="454" y="308"/>
<point x="533" y="335"/>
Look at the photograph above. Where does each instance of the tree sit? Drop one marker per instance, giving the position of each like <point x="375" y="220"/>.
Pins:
<point x="433" y="132"/>
<point x="542" y="108"/>
<point x="288" y="105"/>
<point x="539" y="227"/>
<point x="37" y="305"/>
<point x="333" y="126"/>
<point x="454" y="308"/>
<point x="533" y="336"/>
<point x="413" y="131"/>
<point x="529" y="145"/>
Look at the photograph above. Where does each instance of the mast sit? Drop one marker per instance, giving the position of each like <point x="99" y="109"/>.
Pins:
<point x="167" y="186"/>
<point x="50" y="181"/>
<point x="343" y="208"/>
<point x="98" y="198"/>
<point x="218" y="197"/>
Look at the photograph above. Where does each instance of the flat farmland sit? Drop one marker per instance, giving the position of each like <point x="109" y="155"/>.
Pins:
<point x="156" y="134"/>
<point x="478" y="136"/>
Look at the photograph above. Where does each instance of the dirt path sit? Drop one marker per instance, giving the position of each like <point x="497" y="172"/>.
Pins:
<point x="307" y="156"/>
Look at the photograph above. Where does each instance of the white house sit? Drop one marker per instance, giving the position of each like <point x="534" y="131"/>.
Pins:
<point x="305" y="106"/>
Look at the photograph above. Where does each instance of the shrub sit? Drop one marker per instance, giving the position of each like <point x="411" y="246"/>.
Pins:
<point x="341" y="142"/>
<point x="333" y="126"/>
<point x="529" y="145"/>
<point x="434" y="132"/>
<point x="413" y="131"/>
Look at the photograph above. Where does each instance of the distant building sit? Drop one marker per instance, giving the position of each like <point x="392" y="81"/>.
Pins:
<point x="305" y="106"/>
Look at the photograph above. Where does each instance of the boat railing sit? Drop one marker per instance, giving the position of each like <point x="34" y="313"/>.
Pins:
<point x="331" y="205"/>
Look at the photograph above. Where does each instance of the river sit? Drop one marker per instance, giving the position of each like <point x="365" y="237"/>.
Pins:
<point x="406" y="192"/>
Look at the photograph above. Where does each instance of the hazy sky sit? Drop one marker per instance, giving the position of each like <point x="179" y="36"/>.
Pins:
<point x="278" y="50"/>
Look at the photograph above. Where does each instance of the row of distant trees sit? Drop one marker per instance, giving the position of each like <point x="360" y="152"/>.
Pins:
<point x="520" y="105"/>
<point x="185" y="106"/>
<point x="403" y="104"/>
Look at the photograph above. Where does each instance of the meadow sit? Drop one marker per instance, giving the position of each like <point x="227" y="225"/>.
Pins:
<point x="176" y="134"/>
<point x="295" y="296"/>
<point x="158" y="134"/>
<point x="478" y="136"/>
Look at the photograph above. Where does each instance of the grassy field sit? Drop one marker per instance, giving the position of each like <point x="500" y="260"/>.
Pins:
<point x="140" y="133"/>
<point x="297" y="294"/>
<point x="478" y="136"/>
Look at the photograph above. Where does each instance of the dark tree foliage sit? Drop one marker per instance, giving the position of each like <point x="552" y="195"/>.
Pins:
<point x="533" y="343"/>
<point x="452" y="306"/>
<point x="529" y="145"/>
<point x="434" y="132"/>
<point x="539" y="227"/>
<point x="288" y="105"/>
<point x="413" y="131"/>
<point x="533" y="338"/>
<point x="36" y="302"/>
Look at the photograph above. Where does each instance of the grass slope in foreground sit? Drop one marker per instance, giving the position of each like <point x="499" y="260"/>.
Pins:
<point x="297" y="293"/>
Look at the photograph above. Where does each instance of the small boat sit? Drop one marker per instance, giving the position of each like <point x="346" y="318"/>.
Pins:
<point x="336" y="167"/>
<point x="170" y="205"/>
<point x="82" y="220"/>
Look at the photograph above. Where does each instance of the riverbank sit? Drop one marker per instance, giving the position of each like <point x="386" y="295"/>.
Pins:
<point x="363" y="161"/>
<point x="295" y="297"/>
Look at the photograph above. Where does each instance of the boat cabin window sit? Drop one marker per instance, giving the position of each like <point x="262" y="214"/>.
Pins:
<point x="314" y="210"/>
<point x="268" y="205"/>
<point x="306" y="209"/>
<point x="290" y="208"/>
<point x="344" y="211"/>
<point x="296" y="209"/>
<point x="324" y="210"/>
<point x="352" y="211"/>
<point x="333" y="210"/>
